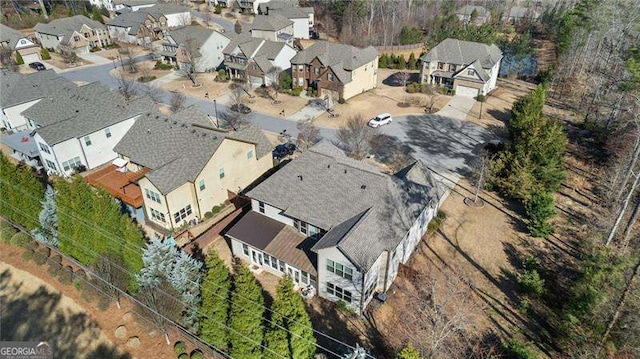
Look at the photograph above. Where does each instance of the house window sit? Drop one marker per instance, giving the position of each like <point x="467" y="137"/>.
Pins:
<point x="316" y="70"/>
<point x="44" y="148"/>
<point x="471" y="72"/>
<point x="250" y="154"/>
<point x="87" y="141"/>
<point x="440" y="65"/>
<point x="301" y="226"/>
<point x="157" y="215"/>
<point x="152" y="195"/>
<point x="107" y="132"/>
<point x="201" y="185"/>
<point x="330" y="77"/>
<point x="304" y="277"/>
<point x="182" y="214"/>
<point x="339" y="269"/>
<point x="261" y="207"/>
<point x="281" y="266"/>
<point x="339" y="292"/>
<point x="76" y="38"/>
<point x="72" y="163"/>
<point x="51" y="165"/>
<point x="370" y="289"/>
<point x="300" y="67"/>
<point x="245" y="249"/>
<point x="221" y="173"/>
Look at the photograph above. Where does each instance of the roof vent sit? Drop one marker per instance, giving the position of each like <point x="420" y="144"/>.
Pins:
<point x="166" y="120"/>
<point x="300" y="177"/>
<point x="345" y="171"/>
<point x="193" y="130"/>
<point x="77" y="111"/>
<point x="157" y="117"/>
<point x="148" y="130"/>
<point x="364" y="186"/>
<point x="175" y="122"/>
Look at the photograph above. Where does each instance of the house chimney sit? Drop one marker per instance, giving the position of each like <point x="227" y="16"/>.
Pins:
<point x="329" y="166"/>
<point x="364" y="186"/>
<point x="345" y="171"/>
<point x="300" y="177"/>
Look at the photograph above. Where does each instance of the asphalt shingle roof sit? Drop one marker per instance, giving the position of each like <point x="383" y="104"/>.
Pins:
<point x="199" y="35"/>
<point x="176" y="148"/>
<point x="78" y="111"/>
<point x="271" y="22"/>
<point x="460" y="52"/>
<point x="341" y="58"/>
<point x="364" y="211"/>
<point x="468" y="9"/>
<point x="65" y="25"/>
<point x="134" y="2"/>
<point x="11" y="36"/>
<point x="17" y="88"/>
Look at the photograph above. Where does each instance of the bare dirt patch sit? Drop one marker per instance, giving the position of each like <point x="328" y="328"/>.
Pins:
<point x="57" y="61"/>
<point x="207" y="86"/>
<point x="287" y="103"/>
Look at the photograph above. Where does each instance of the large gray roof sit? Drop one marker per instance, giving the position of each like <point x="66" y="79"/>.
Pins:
<point x="460" y="52"/>
<point x="11" y="36"/>
<point x="17" y="88"/>
<point x="176" y="148"/>
<point x="132" y="19"/>
<point x="271" y="22"/>
<point x="78" y="111"/>
<point x="65" y="25"/>
<point x="288" y="8"/>
<point x="134" y="2"/>
<point x="364" y="211"/>
<point x="341" y="58"/>
<point x="198" y="34"/>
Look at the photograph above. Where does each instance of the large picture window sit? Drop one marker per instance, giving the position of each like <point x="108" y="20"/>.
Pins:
<point x="152" y="195"/>
<point x="182" y="214"/>
<point x="157" y="215"/>
<point x="339" y="292"/>
<point x="339" y="269"/>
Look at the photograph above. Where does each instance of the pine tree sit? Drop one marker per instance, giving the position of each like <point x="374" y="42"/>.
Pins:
<point x="21" y="194"/>
<point x="186" y="279"/>
<point x="539" y="209"/>
<point x="402" y="63"/>
<point x="409" y="352"/>
<point x="44" y="54"/>
<point x="48" y="230"/>
<point x="216" y="291"/>
<point x="19" y="59"/>
<point x="158" y="258"/>
<point x="413" y="63"/>
<point x="246" y="331"/>
<point x="97" y="16"/>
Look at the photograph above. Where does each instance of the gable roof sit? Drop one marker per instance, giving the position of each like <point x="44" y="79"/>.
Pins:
<point x="167" y="9"/>
<point x="460" y="52"/>
<point x="271" y="22"/>
<point x="340" y="57"/>
<point x="67" y="25"/>
<point x="285" y="8"/>
<point x="11" y="36"/>
<point x="176" y="148"/>
<point x="18" y="88"/>
<point x="468" y="9"/>
<point x="134" y="2"/>
<point x="199" y="35"/>
<point x="132" y="19"/>
<point x="76" y="111"/>
<point x="364" y="211"/>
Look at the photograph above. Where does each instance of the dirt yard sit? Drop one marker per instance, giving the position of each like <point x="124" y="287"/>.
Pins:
<point x="57" y="61"/>
<point x="207" y="85"/>
<point x="86" y="329"/>
<point x="387" y="97"/>
<point x="290" y="104"/>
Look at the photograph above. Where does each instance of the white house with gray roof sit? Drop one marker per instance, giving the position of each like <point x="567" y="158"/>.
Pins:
<point x="189" y="166"/>
<point x="471" y="14"/>
<point x="302" y="17"/>
<point x="207" y="45"/>
<point x="336" y="223"/>
<point x="77" y="34"/>
<point x="469" y="68"/>
<point x="19" y="42"/>
<point x="78" y="126"/>
<point x="272" y="27"/>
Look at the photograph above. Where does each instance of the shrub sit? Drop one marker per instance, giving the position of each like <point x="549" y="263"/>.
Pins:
<point x="54" y="268"/>
<point x="183" y="356"/>
<point x="179" y="348"/>
<point x="162" y="66"/>
<point x="146" y="78"/>
<point x="222" y="76"/>
<point x="434" y="224"/>
<point x="417" y="101"/>
<point x="523" y="308"/>
<point x="56" y="258"/>
<point x="216" y="209"/>
<point x="27" y="255"/>
<point x="44" y="54"/>
<point x="78" y="282"/>
<point x="413" y="87"/>
<point x="103" y="303"/>
<point x="285" y="80"/>
<point x="20" y="239"/>
<point x="66" y="275"/>
<point x="530" y="282"/>
<point x="342" y="101"/>
<point x="480" y="98"/>
<point x="218" y="9"/>
<point x="19" y="59"/>
<point x="518" y="350"/>
<point x="6" y="231"/>
<point x="95" y="49"/>
<point x="296" y="91"/>
<point x="40" y="256"/>
<point x="197" y="354"/>
<point x="208" y="215"/>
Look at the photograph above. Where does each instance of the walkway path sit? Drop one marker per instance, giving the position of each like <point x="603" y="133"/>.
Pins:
<point x="171" y="76"/>
<point x="96" y="59"/>
<point x="314" y="109"/>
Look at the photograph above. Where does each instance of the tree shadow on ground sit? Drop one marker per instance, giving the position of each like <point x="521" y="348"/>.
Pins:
<point x="37" y="317"/>
<point x="396" y="80"/>
<point x="389" y="149"/>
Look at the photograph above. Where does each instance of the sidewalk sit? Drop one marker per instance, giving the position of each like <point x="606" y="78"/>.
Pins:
<point x="311" y="111"/>
<point x="96" y="59"/>
<point x="165" y="79"/>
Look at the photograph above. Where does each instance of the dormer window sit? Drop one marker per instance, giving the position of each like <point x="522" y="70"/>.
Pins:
<point x="471" y="72"/>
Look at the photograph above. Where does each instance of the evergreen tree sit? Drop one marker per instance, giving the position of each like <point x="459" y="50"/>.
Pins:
<point x="402" y="63"/>
<point x="97" y="16"/>
<point x="186" y="279"/>
<point x="48" y="230"/>
<point x="216" y="291"/>
<point x="246" y="331"/>
<point x="19" y="59"/>
<point x="409" y="352"/>
<point x="291" y="322"/>
<point x="413" y="63"/>
<point x="383" y="61"/>
<point x="539" y="208"/>
<point x="158" y="258"/>
<point x="44" y="54"/>
<point x="21" y="194"/>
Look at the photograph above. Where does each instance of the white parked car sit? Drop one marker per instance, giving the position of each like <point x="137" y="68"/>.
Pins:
<point x="380" y="120"/>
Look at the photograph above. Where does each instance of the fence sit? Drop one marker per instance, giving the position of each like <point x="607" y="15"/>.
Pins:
<point x="392" y="48"/>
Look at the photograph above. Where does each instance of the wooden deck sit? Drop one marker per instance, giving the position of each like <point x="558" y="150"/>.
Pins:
<point x="122" y="185"/>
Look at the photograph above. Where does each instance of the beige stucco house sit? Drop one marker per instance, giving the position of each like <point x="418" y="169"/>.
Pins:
<point x="335" y="70"/>
<point x="77" y="34"/>
<point x="191" y="166"/>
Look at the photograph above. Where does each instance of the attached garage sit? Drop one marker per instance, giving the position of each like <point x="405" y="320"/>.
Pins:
<point x="466" y="91"/>
<point x="31" y="58"/>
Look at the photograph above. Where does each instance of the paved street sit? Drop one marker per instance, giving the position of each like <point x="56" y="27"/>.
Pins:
<point x="227" y="25"/>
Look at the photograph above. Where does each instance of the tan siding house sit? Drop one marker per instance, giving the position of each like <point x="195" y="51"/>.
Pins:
<point x="76" y="34"/>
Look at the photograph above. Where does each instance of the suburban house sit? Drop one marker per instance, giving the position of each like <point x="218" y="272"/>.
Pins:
<point x="302" y="17"/>
<point x="207" y="45"/>
<point x="253" y="59"/>
<point x="477" y="15"/>
<point x="19" y="42"/>
<point x="273" y="28"/>
<point x="247" y="6"/>
<point x="76" y="34"/>
<point x="78" y="126"/>
<point x="336" y="224"/>
<point x="133" y="5"/>
<point x="148" y="24"/>
<point x="191" y="165"/>
<point x="469" y="68"/>
<point x="337" y="71"/>
<point x="516" y="14"/>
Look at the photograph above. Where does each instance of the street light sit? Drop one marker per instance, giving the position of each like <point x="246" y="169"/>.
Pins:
<point x="215" y="108"/>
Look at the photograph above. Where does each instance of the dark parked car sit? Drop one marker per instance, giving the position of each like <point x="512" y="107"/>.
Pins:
<point x="37" y="66"/>
<point x="242" y="108"/>
<point x="284" y="150"/>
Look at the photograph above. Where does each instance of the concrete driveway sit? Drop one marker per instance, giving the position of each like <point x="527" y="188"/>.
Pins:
<point x="457" y="108"/>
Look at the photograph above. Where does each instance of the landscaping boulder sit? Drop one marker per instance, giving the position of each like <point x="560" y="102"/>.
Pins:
<point x="133" y="342"/>
<point x="121" y="331"/>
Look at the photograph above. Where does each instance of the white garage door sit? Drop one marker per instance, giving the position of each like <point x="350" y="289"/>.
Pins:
<point x="466" y="91"/>
<point x="30" y="58"/>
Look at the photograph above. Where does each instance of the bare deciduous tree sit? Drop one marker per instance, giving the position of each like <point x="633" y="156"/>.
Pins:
<point x="238" y="95"/>
<point x="233" y="120"/>
<point x="274" y="76"/>
<point x="128" y="54"/>
<point x="111" y="269"/>
<point x="188" y="67"/>
<point x="154" y="92"/>
<point x="177" y="101"/>
<point x="355" y="136"/>
<point x="126" y="85"/>
<point x="480" y="168"/>
<point x="6" y="59"/>
<point x="308" y="134"/>
<point x="160" y="306"/>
